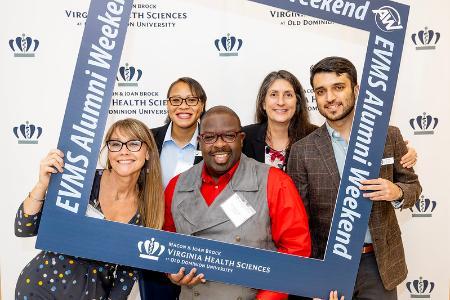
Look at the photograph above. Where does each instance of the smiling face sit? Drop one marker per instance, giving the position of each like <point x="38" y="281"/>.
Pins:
<point x="183" y="116"/>
<point x="124" y="162"/>
<point x="221" y="156"/>
<point x="335" y="96"/>
<point x="280" y="102"/>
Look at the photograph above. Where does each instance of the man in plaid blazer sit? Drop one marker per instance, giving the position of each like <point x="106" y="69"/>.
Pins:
<point x="316" y="163"/>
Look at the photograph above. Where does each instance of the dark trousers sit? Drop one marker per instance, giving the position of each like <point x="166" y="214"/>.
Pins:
<point x="368" y="284"/>
<point x="156" y="286"/>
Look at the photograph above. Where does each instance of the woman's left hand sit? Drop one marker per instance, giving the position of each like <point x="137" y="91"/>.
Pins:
<point x="333" y="296"/>
<point x="409" y="160"/>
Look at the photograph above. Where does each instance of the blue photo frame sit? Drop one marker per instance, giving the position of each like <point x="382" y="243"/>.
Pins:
<point x="64" y="228"/>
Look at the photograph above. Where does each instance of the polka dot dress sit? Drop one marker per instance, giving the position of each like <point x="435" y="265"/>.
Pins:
<point x="55" y="276"/>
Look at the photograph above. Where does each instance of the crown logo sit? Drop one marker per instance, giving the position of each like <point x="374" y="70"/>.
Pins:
<point x="27" y="133"/>
<point x="426" y="39"/>
<point x="128" y="76"/>
<point x="228" y="45"/>
<point x="423" y="207"/>
<point x="424" y="124"/>
<point x="420" y="288"/>
<point x="150" y="249"/>
<point x="23" y="46"/>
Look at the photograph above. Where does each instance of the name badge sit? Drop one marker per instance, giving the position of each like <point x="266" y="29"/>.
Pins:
<point x="387" y="161"/>
<point x="238" y="210"/>
<point x="93" y="212"/>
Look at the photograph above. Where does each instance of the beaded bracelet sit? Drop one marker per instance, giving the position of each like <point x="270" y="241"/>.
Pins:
<point x="35" y="199"/>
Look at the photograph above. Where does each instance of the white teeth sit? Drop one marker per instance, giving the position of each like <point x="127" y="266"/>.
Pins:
<point x="128" y="161"/>
<point x="221" y="158"/>
<point x="184" y="116"/>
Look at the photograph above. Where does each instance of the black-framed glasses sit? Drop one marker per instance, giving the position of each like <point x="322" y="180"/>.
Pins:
<point x="190" y="101"/>
<point x="132" y="145"/>
<point x="227" y="137"/>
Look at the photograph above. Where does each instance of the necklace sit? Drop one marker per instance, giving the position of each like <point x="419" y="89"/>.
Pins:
<point x="270" y="144"/>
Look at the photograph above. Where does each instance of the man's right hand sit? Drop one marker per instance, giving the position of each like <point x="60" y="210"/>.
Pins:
<point x="189" y="280"/>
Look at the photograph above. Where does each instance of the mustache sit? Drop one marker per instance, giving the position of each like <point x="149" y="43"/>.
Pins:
<point x="333" y="103"/>
<point x="224" y="148"/>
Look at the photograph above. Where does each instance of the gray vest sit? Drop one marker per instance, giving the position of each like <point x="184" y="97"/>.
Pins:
<point x="193" y="216"/>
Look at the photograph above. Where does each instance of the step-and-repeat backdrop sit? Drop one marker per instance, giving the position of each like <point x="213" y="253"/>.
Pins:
<point x="39" y="43"/>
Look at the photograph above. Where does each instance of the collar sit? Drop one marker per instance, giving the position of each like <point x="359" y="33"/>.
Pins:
<point x="334" y="134"/>
<point x="206" y="178"/>
<point x="168" y="136"/>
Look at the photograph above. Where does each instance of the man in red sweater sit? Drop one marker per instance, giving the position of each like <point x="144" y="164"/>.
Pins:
<point x="270" y="214"/>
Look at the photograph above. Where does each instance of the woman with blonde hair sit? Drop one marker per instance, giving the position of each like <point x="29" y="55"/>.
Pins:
<point x="129" y="191"/>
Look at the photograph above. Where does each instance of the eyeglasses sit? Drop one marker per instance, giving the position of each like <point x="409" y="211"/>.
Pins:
<point x="190" y="101"/>
<point x="211" y="137"/>
<point x="132" y="145"/>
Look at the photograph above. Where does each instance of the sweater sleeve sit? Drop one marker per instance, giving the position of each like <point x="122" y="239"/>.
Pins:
<point x="26" y="225"/>
<point x="289" y="222"/>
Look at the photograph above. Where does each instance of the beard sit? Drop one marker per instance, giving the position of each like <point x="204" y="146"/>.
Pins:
<point x="346" y="110"/>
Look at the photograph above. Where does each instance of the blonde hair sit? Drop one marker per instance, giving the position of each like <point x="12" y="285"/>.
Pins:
<point x="151" y="192"/>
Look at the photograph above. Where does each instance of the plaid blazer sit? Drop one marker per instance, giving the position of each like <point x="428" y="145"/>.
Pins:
<point x="313" y="168"/>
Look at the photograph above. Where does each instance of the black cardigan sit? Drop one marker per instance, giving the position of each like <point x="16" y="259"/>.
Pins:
<point x="255" y="141"/>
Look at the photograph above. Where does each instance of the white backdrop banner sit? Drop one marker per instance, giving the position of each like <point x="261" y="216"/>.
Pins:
<point x="39" y="44"/>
